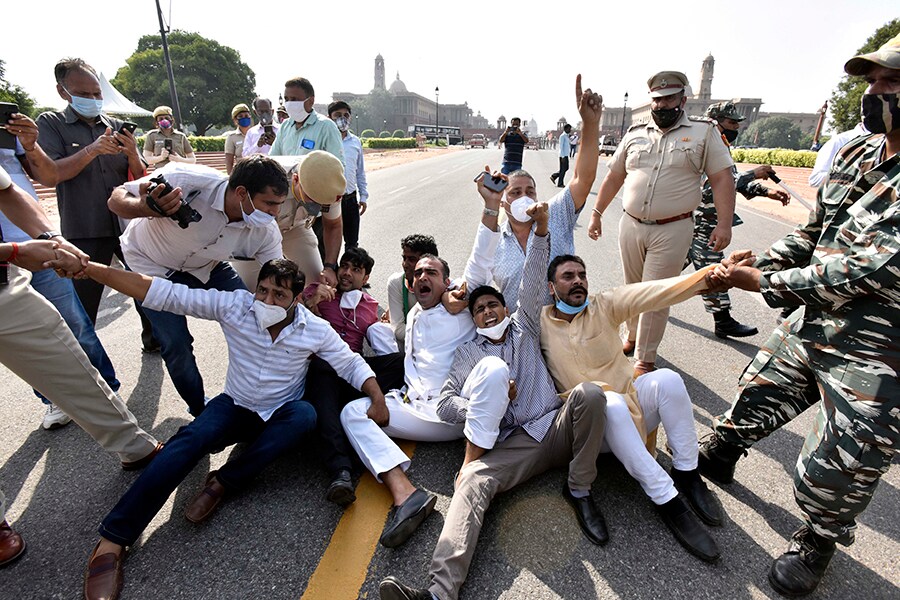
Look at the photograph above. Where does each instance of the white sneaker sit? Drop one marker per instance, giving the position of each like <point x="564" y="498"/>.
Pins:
<point x="55" y="418"/>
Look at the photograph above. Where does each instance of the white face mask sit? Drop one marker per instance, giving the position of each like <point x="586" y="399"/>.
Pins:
<point x="268" y="314"/>
<point x="296" y="110"/>
<point x="257" y="218"/>
<point x="496" y="332"/>
<point x="350" y="300"/>
<point x="518" y="207"/>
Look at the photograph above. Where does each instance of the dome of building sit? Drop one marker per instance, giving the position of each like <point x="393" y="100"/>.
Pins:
<point x="398" y="87"/>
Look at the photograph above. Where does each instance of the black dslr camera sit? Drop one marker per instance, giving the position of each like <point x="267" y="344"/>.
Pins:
<point x="185" y="215"/>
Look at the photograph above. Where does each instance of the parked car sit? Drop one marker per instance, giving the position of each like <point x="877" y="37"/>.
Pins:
<point x="608" y="149"/>
<point x="477" y="141"/>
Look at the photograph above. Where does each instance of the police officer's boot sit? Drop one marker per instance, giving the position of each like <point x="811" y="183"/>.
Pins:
<point x="727" y="327"/>
<point x="798" y="571"/>
<point x="718" y="459"/>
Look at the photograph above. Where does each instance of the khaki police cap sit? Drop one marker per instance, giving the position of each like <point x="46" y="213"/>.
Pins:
<point x="238" y="109"/>
<point x="887" y="56"/>
<point x="161" y="110"/>
<point x="321" y="175"/>
<point x="723" y="110"/>
<point x="666" y="83"/>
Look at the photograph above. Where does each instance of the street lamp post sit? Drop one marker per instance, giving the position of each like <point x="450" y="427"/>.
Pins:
<point x="384" y="125"/>
<point x="622" y="128"/>
<point x="436" y="107"/>
<point x="357" y="125"/>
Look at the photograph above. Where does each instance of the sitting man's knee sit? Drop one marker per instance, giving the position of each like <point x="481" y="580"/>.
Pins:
<point x="590" y="395"/>
<point x="355" y="410"/>
<point x="493" y="366"/>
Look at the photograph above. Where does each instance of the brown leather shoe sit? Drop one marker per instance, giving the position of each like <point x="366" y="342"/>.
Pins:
<point x="642" y="368"/>
<point x="628" y="347"/>
<point x="11" y="544"/>
<point x="205" y="503"/>
<point x="136" y="465"/>
<point x="103" y="577"/>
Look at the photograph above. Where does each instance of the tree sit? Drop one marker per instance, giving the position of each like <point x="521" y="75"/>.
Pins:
<point x="16" y="94"/>
<point x="209" y="77"/>
<point x="847" y="98"/>
<point x="375" y="109"/>
<point x="771" y="132"/>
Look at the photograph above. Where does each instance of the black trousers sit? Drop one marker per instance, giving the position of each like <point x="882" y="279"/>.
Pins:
<point x="350" y="217"/>
<point x="90" y="292"/>
<point x="328" y="394"/>
<point x="561" y="174"/>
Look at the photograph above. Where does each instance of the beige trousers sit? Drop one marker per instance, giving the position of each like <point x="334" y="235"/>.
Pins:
<point x="299" y="245"/>
<point x="651" y="252"/>
<point x="38" y="346"/>
<point x="574" y="438"/>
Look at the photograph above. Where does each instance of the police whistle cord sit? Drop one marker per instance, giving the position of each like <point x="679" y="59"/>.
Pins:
<point x="793" y="194"/>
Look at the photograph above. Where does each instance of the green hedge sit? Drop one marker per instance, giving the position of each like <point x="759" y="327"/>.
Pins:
<point x="198" y="143"/>
<point x="774" y="156"/>
<point x="399" y="133"/>
<point x="390" y="143"/>
<point x="367" y="133"/>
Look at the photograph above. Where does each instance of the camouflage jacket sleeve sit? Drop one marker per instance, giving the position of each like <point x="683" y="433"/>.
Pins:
<point x="796" y="248"/>
<point x="869" y="265"/>
<point x="749" y="188"/>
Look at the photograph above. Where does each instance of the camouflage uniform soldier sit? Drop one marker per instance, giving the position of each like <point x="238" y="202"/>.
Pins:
<point x="701" y="254"/>
<point x="844" y="345"/>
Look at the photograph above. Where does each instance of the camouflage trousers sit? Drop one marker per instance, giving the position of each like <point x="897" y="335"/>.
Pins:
<point x="856" y="432"/>
<point x="701" y="255"/>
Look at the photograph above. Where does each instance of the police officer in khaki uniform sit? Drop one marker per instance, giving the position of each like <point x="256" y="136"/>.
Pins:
<point x="661" y="164"/>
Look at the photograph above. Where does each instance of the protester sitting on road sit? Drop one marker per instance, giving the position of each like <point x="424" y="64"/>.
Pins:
<point x="432" y="335"/>
<point x="260" y="137"/>
<point x="236" y="218"/>
<point x="58" y="290"/>
<point x="164" y="144"/>
<point x="354" y="315"/>
<point x="316" y="184"/>
<point x="270" y="341"/>
<point x="515" y="424"/>
<point x="234" y="140"/>
<point x="564" y="206"/>
<point x="401" y="298"/>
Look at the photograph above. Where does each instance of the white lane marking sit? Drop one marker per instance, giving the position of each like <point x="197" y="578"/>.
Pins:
<point x="426" y="178"/>
<point x="398" y="189"/>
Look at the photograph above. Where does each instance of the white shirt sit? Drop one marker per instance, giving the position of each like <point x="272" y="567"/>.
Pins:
<point x="395" y="288"/>
<point x="355" y="168"/>
<point x="262" y="374"/>
<point x="826" y="154"/>
<point x="251" y="138"/>
<point x="158" y="246"/>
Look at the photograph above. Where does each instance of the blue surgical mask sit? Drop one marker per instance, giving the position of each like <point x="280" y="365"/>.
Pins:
<point x="568" y="309"/>
<point x="86" y="107"/>
<point x="256" y="218"/>
<point x="244" y="122"/>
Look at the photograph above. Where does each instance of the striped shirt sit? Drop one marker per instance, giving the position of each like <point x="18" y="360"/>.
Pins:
<point x="262" y="374"/>
<point x="536" y="403"/>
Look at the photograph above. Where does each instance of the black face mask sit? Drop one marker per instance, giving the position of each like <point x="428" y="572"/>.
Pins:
<point x="880" y="113"/>
<point x="730" y="135"/>
<point x="665" y="117"/>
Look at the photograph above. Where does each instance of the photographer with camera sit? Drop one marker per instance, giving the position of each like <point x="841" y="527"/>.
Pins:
<point x="164" y="144"/>
<point x="514" y="139"/>
<point x="260" y="137"/>
<point x="211" y="218"/>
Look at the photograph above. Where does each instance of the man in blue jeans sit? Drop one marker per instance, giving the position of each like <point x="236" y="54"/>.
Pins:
<point x="270" y="342"/>
<point x="237" y="220"/>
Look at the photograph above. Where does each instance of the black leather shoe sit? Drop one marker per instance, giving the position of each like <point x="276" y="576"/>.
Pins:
<point x="391" y="589"/>
<point x="553" y="177"/>
<point x="727" y="327"/>
<point x="341" y="491"/>
<point x="698" y="496"/>
<point x="798" y="571"/>
<point x="593" y="525"/>
<point x="688" y="530"/>
<point x="404" y="519"/>
<point x="718" y="459"/>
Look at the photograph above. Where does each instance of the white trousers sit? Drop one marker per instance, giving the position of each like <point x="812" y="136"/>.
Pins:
<point x="663" y="399"/>
<point x="487" y="388"/>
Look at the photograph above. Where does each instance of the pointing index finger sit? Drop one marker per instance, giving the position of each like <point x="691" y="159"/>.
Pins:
<point x="578" y="88"/>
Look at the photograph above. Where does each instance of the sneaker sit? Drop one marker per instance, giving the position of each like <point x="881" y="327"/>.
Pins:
<point x="54" y="418"/>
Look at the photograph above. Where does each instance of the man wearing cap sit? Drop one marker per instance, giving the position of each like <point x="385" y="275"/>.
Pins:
<point x="164" y="144"/>
<point x="237" y="219"/>
<point x="661" y="164"/>
<point x="841" y="347"/>
<point x="234" y="140"/>
<point x="356" y="196"/>
<point x="317" y="185"/>
<point x="260" y="137"/>
<point x="728" y="122"/>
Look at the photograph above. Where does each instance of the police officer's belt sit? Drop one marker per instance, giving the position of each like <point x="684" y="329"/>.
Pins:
<point x="686" y="215"/>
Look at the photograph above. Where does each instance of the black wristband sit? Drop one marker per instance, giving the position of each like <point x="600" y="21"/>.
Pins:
<point x="332" y="266"/>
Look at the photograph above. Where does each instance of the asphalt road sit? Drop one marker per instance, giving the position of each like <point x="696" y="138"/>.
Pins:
<point x="267" y="542"/>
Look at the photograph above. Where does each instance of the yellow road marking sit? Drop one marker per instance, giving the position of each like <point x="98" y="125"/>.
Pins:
<point x="342" y="569"/>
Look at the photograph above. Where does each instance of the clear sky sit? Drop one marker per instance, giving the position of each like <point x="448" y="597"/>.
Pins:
<point x="501" y="57"/>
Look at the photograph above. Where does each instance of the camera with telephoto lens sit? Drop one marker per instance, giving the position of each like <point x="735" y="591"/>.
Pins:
<point x="185" y="214"/>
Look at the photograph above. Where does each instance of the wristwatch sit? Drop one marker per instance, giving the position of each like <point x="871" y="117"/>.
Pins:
<point x="48" y="235"/>
<point x="332" y="266"/>
<point x="491" y="212"/>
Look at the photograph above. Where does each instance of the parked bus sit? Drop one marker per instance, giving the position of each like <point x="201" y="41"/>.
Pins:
<point x="453" y="135"/>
